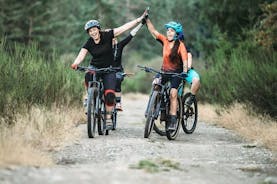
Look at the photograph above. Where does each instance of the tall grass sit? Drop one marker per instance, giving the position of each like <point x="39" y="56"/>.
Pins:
<point x="28" y="78"/>
<point x="254" y="127"/>
<point x="245" y="75"/>
<point x="35" y="93"/>
<point x="37" y="132"/>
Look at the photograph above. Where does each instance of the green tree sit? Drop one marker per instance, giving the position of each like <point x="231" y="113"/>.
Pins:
<point x="266" y="33"/>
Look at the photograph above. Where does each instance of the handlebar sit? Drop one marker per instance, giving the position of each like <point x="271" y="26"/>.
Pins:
<point x="127" y="74"/>
<point x="151" y="70"/>
<point x="98" y="70"/>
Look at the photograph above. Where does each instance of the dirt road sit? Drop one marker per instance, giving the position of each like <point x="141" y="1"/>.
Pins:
<point x="210" y="155"/>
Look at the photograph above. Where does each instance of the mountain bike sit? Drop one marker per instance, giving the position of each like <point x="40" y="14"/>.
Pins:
<point x="96" y="109"/>
<point x="159" y="106"/>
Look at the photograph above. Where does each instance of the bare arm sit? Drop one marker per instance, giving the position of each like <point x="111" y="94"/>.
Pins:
<point x="118" y="31"/>
<point x="151" y="28"/>
<point x="134" y="31"/>
<point x="81" y="56"/>
<point x="189" y="60"/>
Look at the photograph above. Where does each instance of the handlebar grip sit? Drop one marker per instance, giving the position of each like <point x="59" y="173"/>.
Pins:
<point x="80" y="68"/>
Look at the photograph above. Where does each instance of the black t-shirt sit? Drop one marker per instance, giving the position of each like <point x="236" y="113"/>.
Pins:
<point x="102" y="53"/>
<point x="118" y="50"/>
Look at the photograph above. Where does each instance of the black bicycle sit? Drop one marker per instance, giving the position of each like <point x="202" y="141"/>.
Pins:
<point x="159" y="106"/>
<point x="96" y="109"/>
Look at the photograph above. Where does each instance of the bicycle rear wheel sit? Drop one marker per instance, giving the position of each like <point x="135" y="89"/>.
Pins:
<point x="114" y="118"/>
<point x="150" y="115"/>
<point x="100" y="126"/>
<point x="172" y="134"/>
<point x="160" y="124"/>
<point x="91" y="116"/>
<point x="102" y="119"/>
<point x="159" y="128"/>
<point x="190" y="115"/>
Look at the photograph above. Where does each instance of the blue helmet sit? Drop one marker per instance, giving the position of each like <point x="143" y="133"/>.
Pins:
<point x="174" y="25"/>
<point x="92" y="23"/>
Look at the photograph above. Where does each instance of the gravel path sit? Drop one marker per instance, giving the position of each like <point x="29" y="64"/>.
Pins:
<point x="210" y="155"/>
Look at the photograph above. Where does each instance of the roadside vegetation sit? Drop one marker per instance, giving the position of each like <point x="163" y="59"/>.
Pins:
<point x="259" y="129"/>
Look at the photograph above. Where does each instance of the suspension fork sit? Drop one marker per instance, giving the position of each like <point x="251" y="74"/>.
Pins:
<point x="154" y="88"/>
<point x="158" y="105"/>
<point x="97" y="94"/>
<point x="147" y="108"/>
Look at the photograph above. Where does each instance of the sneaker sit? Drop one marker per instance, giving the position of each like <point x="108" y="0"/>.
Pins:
<point x="190" y="101"/>
<point x="118" y="107"/>
<point x="172" y="122"/>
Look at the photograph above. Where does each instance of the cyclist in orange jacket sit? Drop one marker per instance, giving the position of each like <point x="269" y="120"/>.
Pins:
<point x="174" y="60"/>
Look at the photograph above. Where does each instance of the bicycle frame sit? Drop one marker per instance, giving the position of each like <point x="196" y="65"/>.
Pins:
<point x="98" y="86"/>
<point x="161" y="88"/>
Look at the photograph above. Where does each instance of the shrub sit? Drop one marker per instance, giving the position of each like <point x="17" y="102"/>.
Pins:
<point x="28" y="78"/>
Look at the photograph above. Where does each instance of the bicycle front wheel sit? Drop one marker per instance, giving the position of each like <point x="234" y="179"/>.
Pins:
<point x="150" y="115"/>
<point x="190" y="115"/>
<point x="172" y="134"/>
<point x="91" y="115"/>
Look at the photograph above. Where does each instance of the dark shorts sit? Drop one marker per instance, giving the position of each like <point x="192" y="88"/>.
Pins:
<point x="109" y="80"/>
<point x="174" y="81"/>
<point x="119" y="80"/>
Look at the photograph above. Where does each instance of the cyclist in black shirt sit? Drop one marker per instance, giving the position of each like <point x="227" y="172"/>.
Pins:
<point x="117" y="50"/>
<point x="99" y="45"/>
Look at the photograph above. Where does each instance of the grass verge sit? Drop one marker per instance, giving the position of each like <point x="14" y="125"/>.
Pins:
<point x="35" y="134"/>
<point x="260" y="129"/>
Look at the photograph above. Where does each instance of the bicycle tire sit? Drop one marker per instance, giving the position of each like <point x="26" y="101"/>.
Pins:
<point x="159" y="126"/>
<point x="102" y="118"/>
<point x="100" y="127"/>
<point x="150" y="115"/>
<point x="114" y="118"/>
<point x="190" y="115"/>
<point x="91" y="116"/>
<point x="172" y="134"/>
<point x="160" y="131"/>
